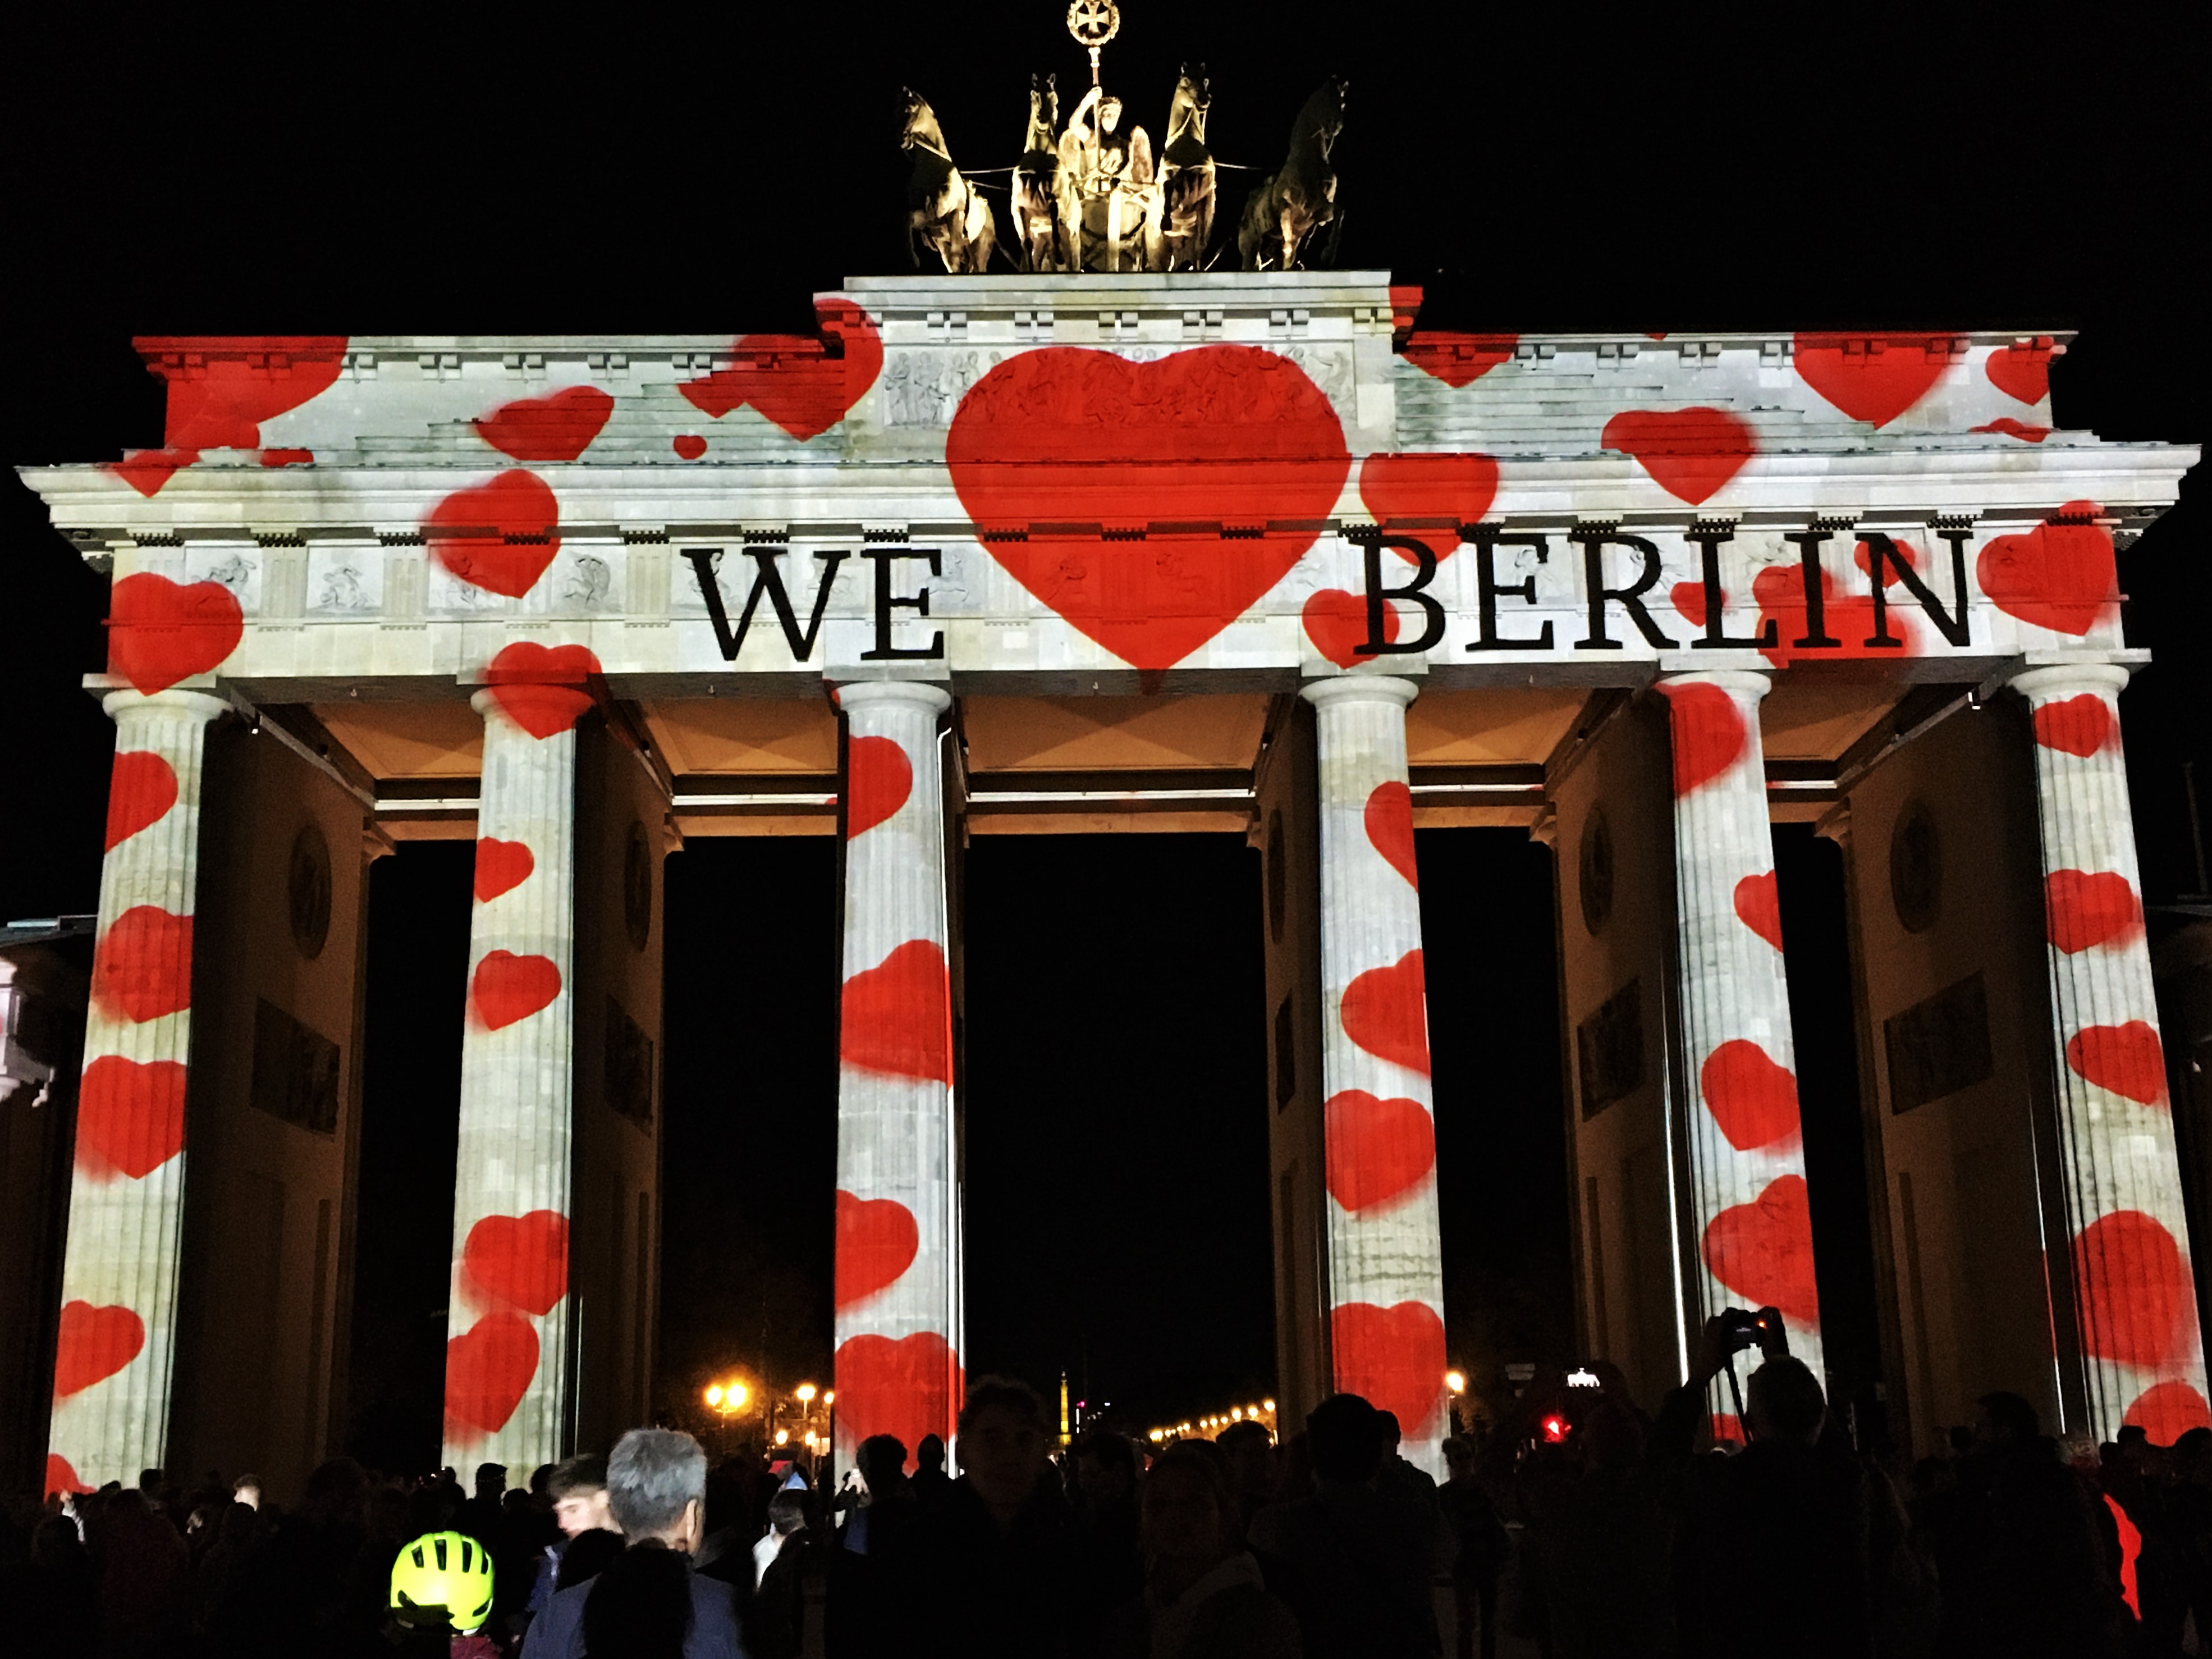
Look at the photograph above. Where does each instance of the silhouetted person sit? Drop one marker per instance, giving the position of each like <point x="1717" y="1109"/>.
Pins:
<point x="1108" y="1572"/>
<point x="1204" y="1594"/>
<point x="997" y="1557"/>
<point x="931" y="1483"/>
<point x="1479" y="1544"/>
<point x="1248" y="1452"/>
<point x="775" y="1612"/>
<point x="1594" y="1579"/>
<point x="48" y="1602"/>
<point x="1396" y="1475"/>
<point x="873" y="1576"/>
<point x="479" y="1518"/>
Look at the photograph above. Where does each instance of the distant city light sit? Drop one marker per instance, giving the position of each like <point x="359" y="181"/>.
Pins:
<point x="1455" y="1381"/>
<point x="804" y="1393"/>
<point x="783" y="1437"/>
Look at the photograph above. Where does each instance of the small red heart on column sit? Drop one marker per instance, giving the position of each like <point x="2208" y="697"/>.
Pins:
<point x="2022" y="372"/>
<point x="1376" y="1150"/>
<point x="2136" y="1300"/>
<point x="2166" y="1411"/>
<point x="1876" y="385"/>
<point x="129" y="1116"/>
<point x="521" y="1260"/>
<point x="502" y="867"/>
<point x="1759" y="907"/>
<point x="1427" y="490"/>
<point x="910" y="1387"/>
<point x="487" y="1369"/>
<point x="1392" y="1357"/>
<point x="877" y="1240"/>
<point x="559" y="426"/>
<point x="793" y="378"/>
<point x="2058" y="576"/>
<point x="94" y="1344"/>
<point x="878" y="778"/>
<point x="897" y="1016"/>
<point x="507" y="987"/>
<point x="144" y="968"/>
<point x="62" y="1477"/>
<point x="1688" y="453"/>
<point x="160" y="632"/>
<point x="1763" y="1250"/>
<point x="1385" y="1012"/>
<point x="2082" y="909"/>
<point x="141" y="790"/>
<point x="689" y="445"/>
<point x="1336" y="622"/>
<point x="1390" y="826"/>
<point x="543" y="689"/>
<point x="1709" y="732"/>
<point x="2077" y="725"/>
<point x="2125" y="1059"/>
<point x="498" y="536"/>
<point x="1754" y="1100"/>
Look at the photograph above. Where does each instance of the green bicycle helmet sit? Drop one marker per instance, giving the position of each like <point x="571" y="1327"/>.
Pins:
<point x="447" y="1570"/>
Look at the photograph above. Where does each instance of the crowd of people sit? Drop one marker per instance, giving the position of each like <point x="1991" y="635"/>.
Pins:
<point x="1580" y="1526"/>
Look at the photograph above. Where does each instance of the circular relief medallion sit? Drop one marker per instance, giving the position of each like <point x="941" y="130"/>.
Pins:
<point x="1916" y="868"/>
<point x="637" y="888"/>
<point x="1594" y="868"/>
<point x="307" y="891"/>
<point x="1278" y="879"/>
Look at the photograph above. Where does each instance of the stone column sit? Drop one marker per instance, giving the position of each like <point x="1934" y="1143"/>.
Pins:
<point x="897" y="1284"/>
<point x="508" y="1357"/>
<point x="117" y="1341"/>
<point x="1385" y="1257"/>
<point x="1747" y="1201"/>
<point x="2142" y="1352"/>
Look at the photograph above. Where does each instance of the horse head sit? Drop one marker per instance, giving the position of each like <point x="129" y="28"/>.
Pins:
<point x="1044" y="103"/>
<point x="919" y="122"/>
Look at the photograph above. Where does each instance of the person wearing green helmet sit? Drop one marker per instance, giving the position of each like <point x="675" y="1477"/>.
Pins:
<point x="441" y="1590"/>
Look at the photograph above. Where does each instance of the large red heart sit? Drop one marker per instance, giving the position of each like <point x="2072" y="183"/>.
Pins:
<point x="878" y="778"/>
<point x="1689" y="452"/>
<point x="2078" y="726"/>
<point x="487" y="1369"/>
<point x="1336" y="622"/>
<point x="222" y="387"/>
<point x="1392" y="1357"/>
<point x="1874" y="379"/>
<point x="910" y="1387"/>
<point x="62" y="1477"/>
<point x="1385" y="1012"/>
<point x="897" y="1016"/>
<point x="1754" y="1100"/>
<point x="1763" y="1250"/>
<point x="502" y="867"/>
<point x="557" y="428"/>
<point x="2166" y="1411"/>
<point x="500" y="535"/>
<point x="1759" y="907"/>
<point x="142" y="788"/>
<point x="2138" y="1304"/>
<point x="1428" y="491"/>
<point x="95" y="1343"/>
<point x="2058" y="576"/>
<point x="2082" y="909"/>
<point x="1390" y="819"/>
<point x="2022" y="372"/>
<point x="793" y="379"/>
<point x="507" y="987"/>
<point x="147" y="469"/>
<point x="877" y="1239"/>
<point x="160" y="632"/>
<point x="543" y="689"/>
<point x="129" y="1116"/>
<point x="520" y="1261"/>
<point x="1149" y="504"/>
<point x="1376" y="1150"/>
<point x="1847" y="618"/>
<point x="2125" y="1059"/>
<point x="1458" y="359"/>
<point x="144" y="968"/>
<point x="1709" y="732"/>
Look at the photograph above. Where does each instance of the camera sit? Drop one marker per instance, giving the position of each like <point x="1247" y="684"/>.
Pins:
<point x="1762" y="1330"/>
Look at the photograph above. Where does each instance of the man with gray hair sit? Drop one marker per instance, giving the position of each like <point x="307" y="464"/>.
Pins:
<point x="657" y="1488"/>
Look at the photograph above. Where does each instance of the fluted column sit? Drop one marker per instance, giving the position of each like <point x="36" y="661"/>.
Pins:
<point x="2142" y="1352"/>
<point x="506" y="1348"/>
<point x="897" y="1268"/>
<point x="1747" y="1200"/>
<point x="1385" y="1257"/>
<point x="117" y="1342"/>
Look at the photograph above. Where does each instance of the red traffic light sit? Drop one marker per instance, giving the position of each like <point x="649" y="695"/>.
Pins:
<point x="1555" y="1429"/>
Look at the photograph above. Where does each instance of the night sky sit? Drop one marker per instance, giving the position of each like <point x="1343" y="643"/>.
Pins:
<point x="497" y="169"/>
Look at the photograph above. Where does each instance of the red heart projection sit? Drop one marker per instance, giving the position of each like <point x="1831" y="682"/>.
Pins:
<point x="1759" y="907"/>
<point x="2125" y="1059"/>
<point x="1458" y="359"/>
<point x="2082" y="910"/>
<point x="878" y="778"/>
<point x="1863" y="556"/>
<point x="1428" y="491"/>
<point x="2166" y="1411"/>
<point x="95" y="1343"/>
<point x="877" y="1239"/>
<point x="502" y="867"/>
<point x="541" y="689"/>
<point x="897" y="1016"/>
<point x="487" y="1369"/>
<point x="1385" y="1012"/>
<point x="62" y="1477"/>
<point x="2078" y="726"/>
<point x="689" y="445"/>
<point x="1872" y="379"/>
<point x="1709" y="733"/>
<point x="1727" y="1426"/>
<point x="147" y="469"/>
<point x="507" y="987"/>
<point x="2022" y="372"/>
<point x="1378" y="1150"/>
<point x="1689" y="452"/>
<point x="1763" y="1250"/>
<point x="2059" y="576"/>
<point x="129" y="1116"/>
<point x="498" y="536"/>
<point x="1689" y="598"/>
<point x="2005" y="426"/>
<point x="142" y="789"/>
<point x="222" y="387"/>
<point x="2137" y="1299"/>
<point x="1754" y="1100"/>
<point x="793" y="379"/>
<point x="287" y="458"/>
<point x="557" y="427"/>
<point x="908" y="1387"/>
<point x="520" y="1261"/>
<point x="1212" y="470"/>
<point x="1390" y="819"/>
<point x="1336" y="622"/>
<point x="1393" y="1358"/>
<point x="1847" y="618"/>
<point x="160" y="632"/>
<point x="144" y="968"/>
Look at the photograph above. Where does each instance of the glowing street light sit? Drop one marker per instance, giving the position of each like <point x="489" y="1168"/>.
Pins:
<point x="783" y="1437"/>
<point x="804" y="1394"/>
<point x="1455" y="1381"/>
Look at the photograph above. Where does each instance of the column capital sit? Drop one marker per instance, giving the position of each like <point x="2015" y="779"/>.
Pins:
<point x="2044" y="682"/>
<point x="198" y="704"/>
<point x="923" y="694"/>
<point x="1359" y="687"/>
<point x="1750" y="682"/>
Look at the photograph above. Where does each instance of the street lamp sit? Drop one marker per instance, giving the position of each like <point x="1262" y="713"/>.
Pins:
<point x="1455" y="1381"/>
